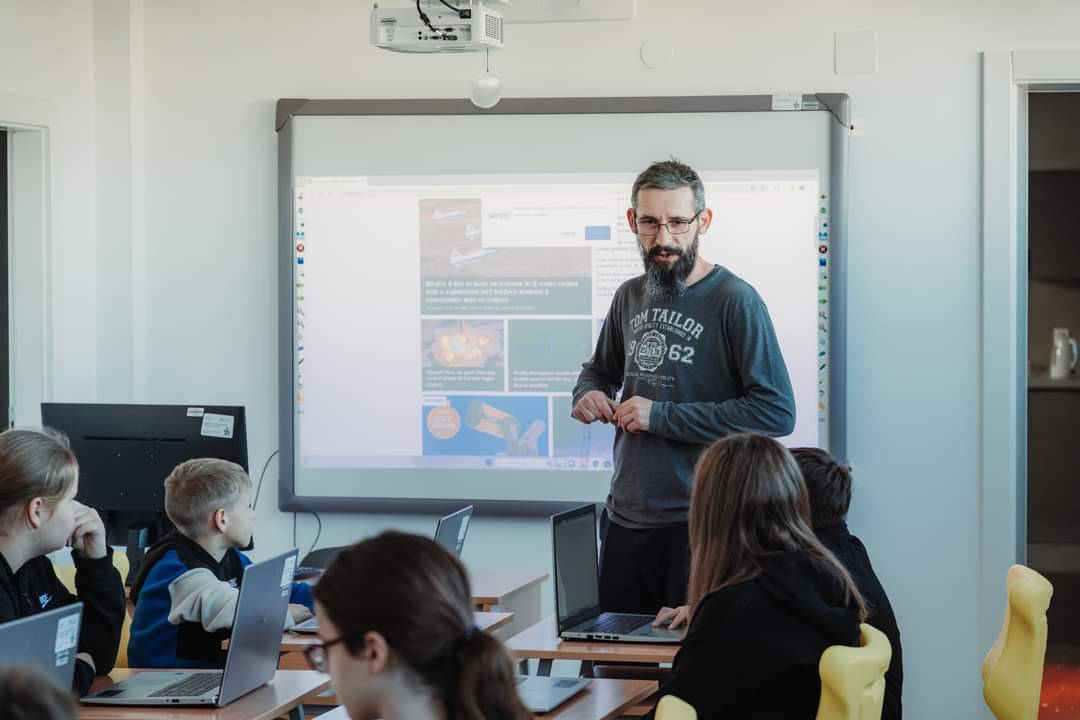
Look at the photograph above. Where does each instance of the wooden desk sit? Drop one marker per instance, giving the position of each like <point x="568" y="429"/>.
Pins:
<point x="294" y="644"/>
<point x="541" y="641"/>
<point x="284" y="694"/>
<point x="602" y="700"/>
<point x="514" y="592"/>
<point x="491" y="589"/>
<point x="518" y="593"/>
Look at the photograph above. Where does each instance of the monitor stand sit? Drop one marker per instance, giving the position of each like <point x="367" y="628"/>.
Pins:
<point x="138" y="539"/>
<point x="135" y="531"/>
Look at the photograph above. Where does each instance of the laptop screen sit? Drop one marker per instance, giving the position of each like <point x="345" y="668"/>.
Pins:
<point x="48" y="640"/>
<point x="577" y="585"/>
<point x="451" y="530"/>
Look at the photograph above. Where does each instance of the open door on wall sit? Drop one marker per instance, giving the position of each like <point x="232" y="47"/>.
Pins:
<point x="1053" y="320"/>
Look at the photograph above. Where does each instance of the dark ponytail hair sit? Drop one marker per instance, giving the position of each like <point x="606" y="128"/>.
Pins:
<point x="416" y="595"/>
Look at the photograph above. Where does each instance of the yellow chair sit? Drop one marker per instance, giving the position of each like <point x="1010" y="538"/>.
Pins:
<point x="1013" y="669"/>
<point x="672" y="708"/>
<point x="853" y="679"/>
<point x="66" y="573"/>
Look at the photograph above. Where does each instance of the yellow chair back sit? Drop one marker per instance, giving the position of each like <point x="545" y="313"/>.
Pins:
<point x="66" y="573"/>
<point x="853" y="679"/>
<point x="1012" y="671"/>
<point x="672" y="708"/>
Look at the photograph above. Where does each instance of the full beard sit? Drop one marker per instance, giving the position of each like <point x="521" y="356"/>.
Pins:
<point x="664" y="281"/>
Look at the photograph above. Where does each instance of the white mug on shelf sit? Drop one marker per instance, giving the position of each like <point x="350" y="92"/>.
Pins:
<point x="1064" y="355"/>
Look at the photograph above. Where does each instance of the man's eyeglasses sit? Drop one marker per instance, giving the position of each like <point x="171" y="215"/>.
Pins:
<point x="317" y="657"/>
<point x="647" y="227"/>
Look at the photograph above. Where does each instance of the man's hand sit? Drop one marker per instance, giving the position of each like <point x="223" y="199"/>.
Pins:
<point x="632" y="415"/>
<point x="673" y="617"/>
<point x="89" y="534"/>
<point x="298" y="613"/>
<point x="594" y="405"/>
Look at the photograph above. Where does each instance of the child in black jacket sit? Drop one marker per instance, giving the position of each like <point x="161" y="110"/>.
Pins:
<point x="39" y="478"/>
<point x="829" y="485"/>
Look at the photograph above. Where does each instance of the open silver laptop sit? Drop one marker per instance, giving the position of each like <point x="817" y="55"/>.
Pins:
<point x="253" y="648"/>
<point x="48" y="640"/>
<point x="577" y="587"/>
<point x="449" y="532"/>
<point x="544" y="694"/>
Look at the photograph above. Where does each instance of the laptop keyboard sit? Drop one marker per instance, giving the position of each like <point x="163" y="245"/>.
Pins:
<point x="191" y="686"/>
<point x="617" y="624"/>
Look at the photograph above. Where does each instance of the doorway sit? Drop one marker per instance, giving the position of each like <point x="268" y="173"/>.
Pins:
<point x="1023" y="483"/>
<point x="1053" y="397"/>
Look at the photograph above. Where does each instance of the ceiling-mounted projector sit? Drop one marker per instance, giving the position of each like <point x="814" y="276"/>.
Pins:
<point x="432" y="26"/>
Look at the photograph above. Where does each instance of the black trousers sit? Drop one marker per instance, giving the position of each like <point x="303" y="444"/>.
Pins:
<point x="642" y="571"/>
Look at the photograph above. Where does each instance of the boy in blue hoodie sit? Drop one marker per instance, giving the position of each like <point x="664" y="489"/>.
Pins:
<point x="186" y="590"/>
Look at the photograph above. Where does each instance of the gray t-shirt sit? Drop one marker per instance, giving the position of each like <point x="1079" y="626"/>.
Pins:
<point x="712" y="365"/>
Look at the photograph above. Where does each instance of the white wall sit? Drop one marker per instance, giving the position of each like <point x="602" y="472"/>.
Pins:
<point x="46" y="77"/>
<point x="179" y="303"/>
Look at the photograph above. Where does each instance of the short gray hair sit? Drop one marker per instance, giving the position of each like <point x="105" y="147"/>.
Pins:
<point x="670" y="175"/>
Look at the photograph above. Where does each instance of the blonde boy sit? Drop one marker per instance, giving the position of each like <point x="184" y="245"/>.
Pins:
<point x="185" y="592"/>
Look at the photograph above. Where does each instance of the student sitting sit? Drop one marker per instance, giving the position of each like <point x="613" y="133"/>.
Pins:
<point x="39" y="478"/>
<point x="829" y="485"/>
<point x="766" y="598"/>
<point x="186" y="590"/>
<point x="27" y="693"/>
<point x="405" y="646"/>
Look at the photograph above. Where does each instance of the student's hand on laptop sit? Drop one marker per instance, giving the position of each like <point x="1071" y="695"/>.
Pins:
<point x="673" y="617"/>
<point x="89" y="534"/>
<point x="298" y="613"/>
<point x="85" y="657"/>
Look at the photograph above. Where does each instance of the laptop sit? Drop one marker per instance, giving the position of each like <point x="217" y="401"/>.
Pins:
<point x="577" y="587"/>
<point x="544" y="694"/>
<point x="253" y="648"/>
<point x="450" y="533"/>
<point x="48" y="640"/>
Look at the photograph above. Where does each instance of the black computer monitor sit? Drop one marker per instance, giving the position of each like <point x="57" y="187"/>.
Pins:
<point x="125" y="452"/>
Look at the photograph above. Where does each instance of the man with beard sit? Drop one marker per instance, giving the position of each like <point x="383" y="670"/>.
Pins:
<point x="693" y="352"/>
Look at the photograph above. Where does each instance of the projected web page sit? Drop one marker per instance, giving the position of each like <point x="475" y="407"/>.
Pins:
<point x="442" y="320"/>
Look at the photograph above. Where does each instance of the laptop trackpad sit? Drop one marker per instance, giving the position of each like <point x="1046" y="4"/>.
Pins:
<point x="142" y="684"/>
<point x="660" y="633"/>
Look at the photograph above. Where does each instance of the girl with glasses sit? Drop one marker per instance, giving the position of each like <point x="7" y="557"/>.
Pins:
<point x="398" y="639"/>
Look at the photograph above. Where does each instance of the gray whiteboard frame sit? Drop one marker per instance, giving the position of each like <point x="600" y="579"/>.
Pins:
<point x="838" y="104"/>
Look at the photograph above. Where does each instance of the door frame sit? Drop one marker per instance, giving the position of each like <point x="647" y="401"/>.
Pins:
<point x="31" y="123"/>
<point x="1008" y="78"/>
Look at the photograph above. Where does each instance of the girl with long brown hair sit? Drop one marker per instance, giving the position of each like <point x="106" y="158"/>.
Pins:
<point x="766" y="597"/>
<point x="398" y="639"/>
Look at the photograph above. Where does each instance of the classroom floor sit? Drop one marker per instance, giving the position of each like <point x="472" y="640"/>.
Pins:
<point x="1061" y="684"/>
